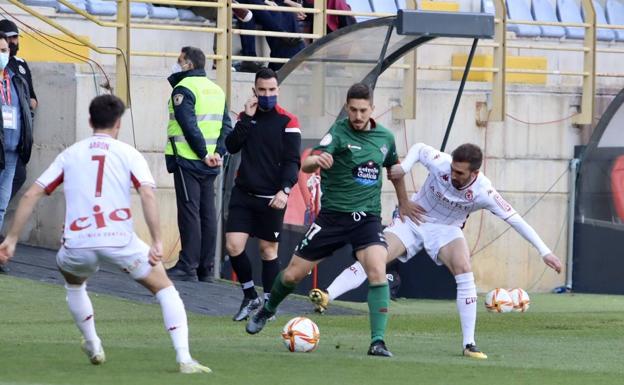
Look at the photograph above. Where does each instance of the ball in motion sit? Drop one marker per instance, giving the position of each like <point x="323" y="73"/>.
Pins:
<point x="520" y="299"/>
<point x="498" y="301"/>
<point x="300" y="334"/>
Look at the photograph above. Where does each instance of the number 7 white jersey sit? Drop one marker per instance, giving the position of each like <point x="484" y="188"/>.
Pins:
<point x="443" y="202"/>
<point x="97" y="173"/>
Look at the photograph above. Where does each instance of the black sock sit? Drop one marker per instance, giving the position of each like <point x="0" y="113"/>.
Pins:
<point x="270" y="270"/>
<point x="242" y="267"/>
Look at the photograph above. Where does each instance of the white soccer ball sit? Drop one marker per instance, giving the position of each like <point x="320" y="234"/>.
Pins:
<point x="498" y="301"/>
<point x="520" y="299"/>
<point x="301" y="335"/>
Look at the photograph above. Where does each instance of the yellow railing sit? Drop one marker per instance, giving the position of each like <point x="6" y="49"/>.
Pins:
<point x="224" y="33"/>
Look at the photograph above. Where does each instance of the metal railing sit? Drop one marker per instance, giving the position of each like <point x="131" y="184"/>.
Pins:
<point x="224" y="32"/>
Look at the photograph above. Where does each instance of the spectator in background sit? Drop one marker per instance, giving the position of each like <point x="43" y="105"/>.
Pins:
<point x="16" y="125"/>
<point x="270" y="21"/>
<point x="18" y="65"/>
<point x="334" y="22"/>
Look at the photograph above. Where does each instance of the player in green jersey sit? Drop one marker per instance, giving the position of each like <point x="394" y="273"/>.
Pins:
<point x="351" y="156"/>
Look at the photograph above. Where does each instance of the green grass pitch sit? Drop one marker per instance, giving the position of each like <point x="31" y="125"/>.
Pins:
<point x="563" y="339"/>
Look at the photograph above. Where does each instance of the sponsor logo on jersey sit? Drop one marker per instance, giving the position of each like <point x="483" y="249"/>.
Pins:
<point x="439" y="196"/>
<point x="445" y="177"/>
<point x="327" y="139"/>
<point x="21" y="69"/>
<point x="502" y="203"/>
<point x="99" y="218"/>
<point x="366" y="173"/>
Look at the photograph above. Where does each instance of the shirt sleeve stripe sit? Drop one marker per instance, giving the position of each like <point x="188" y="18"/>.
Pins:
<point x="293" y="130"/>
<point x="49" y="189"/>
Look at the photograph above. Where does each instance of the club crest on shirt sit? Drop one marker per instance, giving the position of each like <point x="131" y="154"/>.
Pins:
<point x="326" y="141"/>
<point x="384" y="150"/>
<point x="177" y="99"/>
<point x="21" y="69"/>
<point x="469" y="195"/>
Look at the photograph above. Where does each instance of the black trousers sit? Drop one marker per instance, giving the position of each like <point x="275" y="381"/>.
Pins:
<point x="197" y="221"/>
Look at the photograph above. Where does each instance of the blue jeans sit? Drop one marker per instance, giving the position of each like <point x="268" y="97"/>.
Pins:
<point x="6" y="181"/>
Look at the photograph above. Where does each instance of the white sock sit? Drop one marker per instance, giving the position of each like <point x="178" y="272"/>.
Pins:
<point x="351" y="278"/>
<point x="176" y="324"/>
<point x="467" y="306"/>
<point x="81" y="309"/>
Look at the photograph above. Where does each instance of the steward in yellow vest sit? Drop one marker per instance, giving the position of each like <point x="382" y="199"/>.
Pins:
<point x="196" y="132"/>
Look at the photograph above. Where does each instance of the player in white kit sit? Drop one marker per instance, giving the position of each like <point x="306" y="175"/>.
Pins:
<point x="98" y="173"/>
<point x="453" y="189"/>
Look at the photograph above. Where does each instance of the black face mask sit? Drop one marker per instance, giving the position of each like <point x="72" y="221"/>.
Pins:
<point x="13" y="48"/>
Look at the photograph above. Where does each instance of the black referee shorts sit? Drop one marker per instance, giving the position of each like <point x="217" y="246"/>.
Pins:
<point x="252" y="215"/>
<point x="331" y="230"/>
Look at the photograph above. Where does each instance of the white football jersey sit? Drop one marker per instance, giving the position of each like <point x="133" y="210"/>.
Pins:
<point x="97" y="173"/>
<point x="443" y="202"/>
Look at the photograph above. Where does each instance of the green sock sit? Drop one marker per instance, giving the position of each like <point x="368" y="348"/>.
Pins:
<point x="279" y="291"/>
<point x="378" y="302"/>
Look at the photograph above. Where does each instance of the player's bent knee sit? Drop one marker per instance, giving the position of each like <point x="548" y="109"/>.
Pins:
<point x="156" y="280"/>
<point x="234" y="249"/>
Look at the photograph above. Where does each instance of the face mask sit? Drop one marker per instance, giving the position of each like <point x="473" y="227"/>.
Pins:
<point x="13" y="48"/>
<point x="4" y="60"/>
<point x="267" y="102"/>
<point x="176" y="68"/>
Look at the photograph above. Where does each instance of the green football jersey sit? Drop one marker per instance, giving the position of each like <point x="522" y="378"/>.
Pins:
<point x="353" y="183"/>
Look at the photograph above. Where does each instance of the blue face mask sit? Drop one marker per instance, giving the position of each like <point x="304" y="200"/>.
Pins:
<point x="4" y="60"/>
<point x="267" y="102"/>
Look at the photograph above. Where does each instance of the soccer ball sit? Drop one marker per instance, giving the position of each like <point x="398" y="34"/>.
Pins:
<point x="520" y="299"/>
<point x="498" y="301"/>
<point x="300" y="335"/>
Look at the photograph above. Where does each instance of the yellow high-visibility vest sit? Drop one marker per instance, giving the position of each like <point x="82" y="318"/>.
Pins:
<point x="209" y="108"/>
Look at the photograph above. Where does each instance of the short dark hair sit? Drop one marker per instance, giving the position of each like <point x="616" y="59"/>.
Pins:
<point x="3" y="36"/>
<point x="105" y="110"/>
<point x="265" y="73"/>
<point x="469" y="153"/>
<point x="195" y="56"/>
<point x="360" y="91"/>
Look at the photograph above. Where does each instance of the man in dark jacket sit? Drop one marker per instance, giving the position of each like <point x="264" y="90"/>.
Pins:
<point x="269" y="139"/>
<point x="16" y="140"/>
<point x="198" y="125"/>
<point x="18" y="65"/>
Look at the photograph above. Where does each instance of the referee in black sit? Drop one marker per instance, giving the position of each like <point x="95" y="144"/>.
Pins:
<point x="270" y="140"/>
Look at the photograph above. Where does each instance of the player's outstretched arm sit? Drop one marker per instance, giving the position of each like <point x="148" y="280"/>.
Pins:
<point x="528" y="233"/>
<point x="150" y="211"/>
<point x="406" y="207"/>
<point x="24" y="210"/>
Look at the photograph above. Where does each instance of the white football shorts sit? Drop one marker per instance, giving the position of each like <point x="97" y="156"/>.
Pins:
<point x="430" y="236"/>
<point x="131" y="258"/>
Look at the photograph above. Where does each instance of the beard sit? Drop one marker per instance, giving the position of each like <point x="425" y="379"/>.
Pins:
<point x="13" y="48"/>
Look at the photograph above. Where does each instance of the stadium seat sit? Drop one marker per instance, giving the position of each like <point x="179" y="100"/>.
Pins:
<point x="602" y="34"/>
<point x="41" y="3"/>
<point x="101" y="8"/>
<point x="60" y="8"/>
<point x="188" y="15"/>
<point x="568" y="11"/>
<point x="543" y="10"/>
<point x="519" y="10"/>
<point x="487" y="6"/>
<point x="360" y="6"/>
<point x="164" y="13"/>
<point x="139" y="10"/>
<point x="615" y="16"/>
<point x="385" y="6"/>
